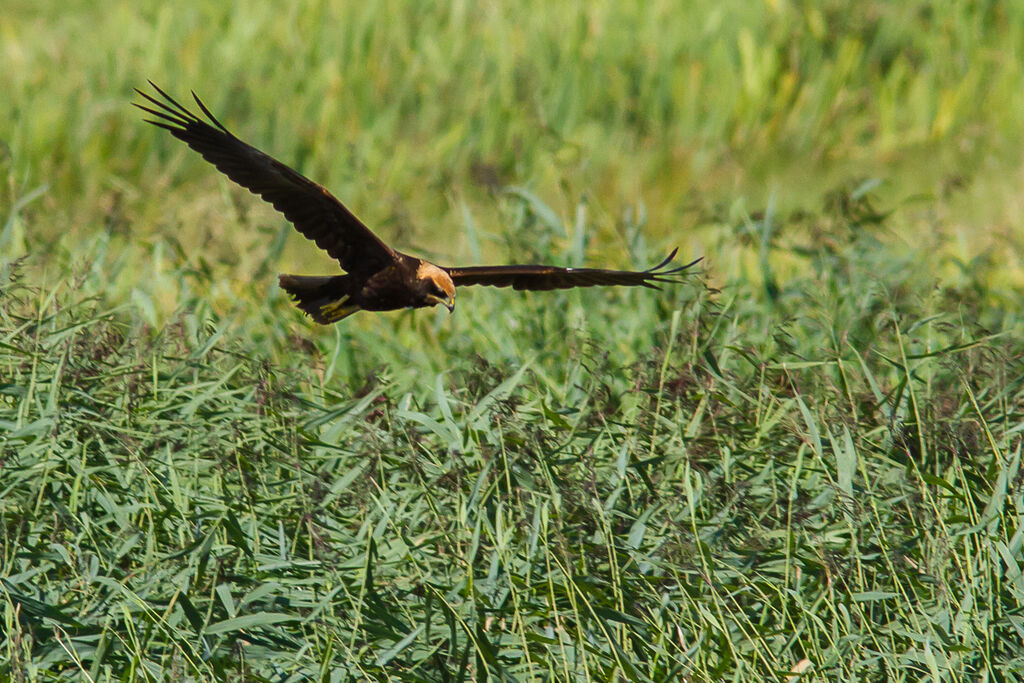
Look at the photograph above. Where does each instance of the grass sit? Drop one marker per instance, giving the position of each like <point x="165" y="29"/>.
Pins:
<point x="803" y="465"/>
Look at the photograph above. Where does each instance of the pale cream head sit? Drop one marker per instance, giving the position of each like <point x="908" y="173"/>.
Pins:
<point x="443" y="282"/>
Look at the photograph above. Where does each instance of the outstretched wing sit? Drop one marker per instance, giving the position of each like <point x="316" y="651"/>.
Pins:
<point x="313" y="211"/>
<point x="552" y="277"/>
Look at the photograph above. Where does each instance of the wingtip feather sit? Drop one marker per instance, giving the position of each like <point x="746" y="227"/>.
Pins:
<point x="208" y="113"/>
<point x="664" y="263"/>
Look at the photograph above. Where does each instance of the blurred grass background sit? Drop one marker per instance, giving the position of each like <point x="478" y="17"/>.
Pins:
<point x="411" y="111"/>
<point x="811" y="471"/>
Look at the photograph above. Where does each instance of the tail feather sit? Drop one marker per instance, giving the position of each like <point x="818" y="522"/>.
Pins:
<point x="322" y="297"/>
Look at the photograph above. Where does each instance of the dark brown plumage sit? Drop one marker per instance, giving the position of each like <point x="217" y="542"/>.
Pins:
<point x="377" y="277"/>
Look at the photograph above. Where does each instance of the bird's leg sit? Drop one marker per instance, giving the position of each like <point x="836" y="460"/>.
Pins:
<point x="337" y="310"/>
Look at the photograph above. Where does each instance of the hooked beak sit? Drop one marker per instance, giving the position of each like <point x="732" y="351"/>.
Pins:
<point x="448" y="301"/>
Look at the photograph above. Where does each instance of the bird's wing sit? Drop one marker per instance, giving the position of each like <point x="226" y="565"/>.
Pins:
<point x="313" y="211"/>
<point x="552" y="277"/>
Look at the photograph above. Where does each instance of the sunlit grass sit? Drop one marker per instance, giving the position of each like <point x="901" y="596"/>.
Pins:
<point x="804" y="461"/>
<point x="393" y="105"/>
<point x="817" y="475"/>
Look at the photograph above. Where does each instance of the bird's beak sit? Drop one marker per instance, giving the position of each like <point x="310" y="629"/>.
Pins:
<point x="448" y="301"/>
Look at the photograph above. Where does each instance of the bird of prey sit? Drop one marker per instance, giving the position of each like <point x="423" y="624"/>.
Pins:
<point x="377" y="277"/>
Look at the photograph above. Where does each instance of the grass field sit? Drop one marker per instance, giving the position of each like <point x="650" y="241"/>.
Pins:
<point x="805" y="464"/>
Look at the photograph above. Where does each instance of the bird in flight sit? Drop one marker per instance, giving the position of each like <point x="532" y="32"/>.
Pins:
<point x="377" y="277"/>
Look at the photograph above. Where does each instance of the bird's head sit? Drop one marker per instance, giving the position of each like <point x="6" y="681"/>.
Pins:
<point x="435" y="286"/>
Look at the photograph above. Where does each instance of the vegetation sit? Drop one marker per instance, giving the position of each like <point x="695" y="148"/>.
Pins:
<point x="805" y="465"/>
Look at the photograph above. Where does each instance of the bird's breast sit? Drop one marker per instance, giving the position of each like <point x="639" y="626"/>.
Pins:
<point x="387" y="290"/>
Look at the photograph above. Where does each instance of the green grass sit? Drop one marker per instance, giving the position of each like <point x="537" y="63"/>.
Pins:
<point x="806" y="461"/>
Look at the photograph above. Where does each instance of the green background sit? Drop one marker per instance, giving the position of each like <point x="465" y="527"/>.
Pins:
<point x="804" y="461"/>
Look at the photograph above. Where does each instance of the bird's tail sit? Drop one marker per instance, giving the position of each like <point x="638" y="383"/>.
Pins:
<point x="322" y="297"/>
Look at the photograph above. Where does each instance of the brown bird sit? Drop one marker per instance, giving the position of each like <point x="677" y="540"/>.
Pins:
<point x="377" y="277"/>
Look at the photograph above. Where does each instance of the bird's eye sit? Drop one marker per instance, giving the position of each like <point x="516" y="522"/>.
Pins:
<point x="436" y="290"/>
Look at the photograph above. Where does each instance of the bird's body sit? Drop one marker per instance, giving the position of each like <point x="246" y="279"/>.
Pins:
<point x="406" y="283"/>
<point x="377" y="277"/>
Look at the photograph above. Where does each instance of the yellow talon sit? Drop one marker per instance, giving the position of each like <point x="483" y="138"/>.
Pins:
<point x="337" y="310"/>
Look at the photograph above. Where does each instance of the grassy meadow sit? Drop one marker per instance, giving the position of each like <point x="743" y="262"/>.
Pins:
<point x="803" y="464"/>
